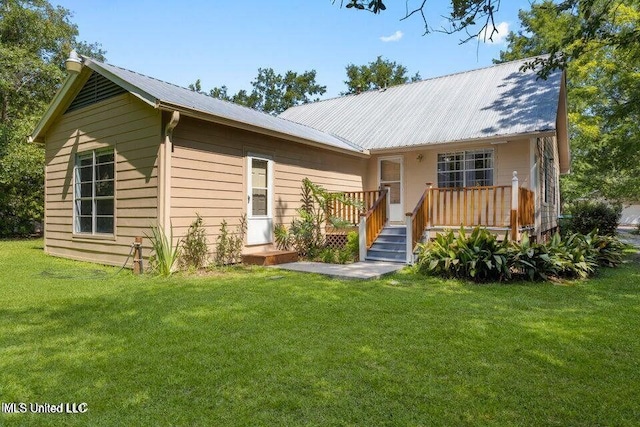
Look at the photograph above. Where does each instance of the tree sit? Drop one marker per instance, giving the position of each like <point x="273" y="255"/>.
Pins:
<point x="272" y="93"/>
<point x="476" y="19"/>
<point x="35" y="39"/>
<point x="376" y="75"/>
<point x="603" y="93"/>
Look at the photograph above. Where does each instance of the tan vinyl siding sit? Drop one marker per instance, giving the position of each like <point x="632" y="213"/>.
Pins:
<point x="133" y="129"/>
<point x="209" y="176"/>
<point x="508" y="157"/>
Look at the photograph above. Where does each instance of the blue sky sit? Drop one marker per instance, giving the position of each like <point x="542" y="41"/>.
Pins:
<point x="225" y="42"/>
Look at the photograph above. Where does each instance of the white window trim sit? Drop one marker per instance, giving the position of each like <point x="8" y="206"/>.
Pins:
<point x="464" y="170"/>
<point x="269" y="160"/>
<point x="75" y="224"/>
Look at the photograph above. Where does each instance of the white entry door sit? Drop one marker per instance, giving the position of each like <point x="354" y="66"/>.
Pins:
<point x="259" y="200"/>
<point x="391" y="177"/>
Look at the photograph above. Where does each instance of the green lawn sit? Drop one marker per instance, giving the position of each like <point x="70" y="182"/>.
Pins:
<point x="273" y="348"/>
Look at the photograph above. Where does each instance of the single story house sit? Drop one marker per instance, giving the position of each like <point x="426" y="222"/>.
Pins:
<point x="125" y="151"/>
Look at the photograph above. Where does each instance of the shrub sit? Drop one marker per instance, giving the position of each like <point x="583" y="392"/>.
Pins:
<point x="345" y="256"/>
<point x="571" y="257"/>
<point x="281" y="234"/>
<point x="530" y="260"/>
<point x="587" y="216"/>
<point x="353" y="245"/>
<point x="306" y="232"/>
<point x="229" y="245"/>
<point x="479" y="256"/>
<point x="327" y="255"/>
<point x="165" y="256"/>
<point x="21" y="189"/>
<point x="195" y="249"/>
<point x="606" y="250"/>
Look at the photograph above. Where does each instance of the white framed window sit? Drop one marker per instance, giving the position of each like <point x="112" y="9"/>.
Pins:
<point x="93" y="195"/>
<point x="472" y="168"/>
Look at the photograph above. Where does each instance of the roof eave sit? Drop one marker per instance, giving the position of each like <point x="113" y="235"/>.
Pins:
<point x="134" y="90"/>
<point x="478" y="141"/>
<point x="54" y="106"/>
<point x="203" y="115"/>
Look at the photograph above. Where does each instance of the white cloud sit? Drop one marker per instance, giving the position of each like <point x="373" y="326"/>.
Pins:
<point x="499" y="37"/>
<point x="393" y="37"/>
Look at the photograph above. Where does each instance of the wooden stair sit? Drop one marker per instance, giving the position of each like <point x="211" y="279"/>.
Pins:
<point x="270" y="258"/>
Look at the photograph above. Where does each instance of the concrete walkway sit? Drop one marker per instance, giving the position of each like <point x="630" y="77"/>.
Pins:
<point x="358" y="270"/>
<point x="626" y="236"/>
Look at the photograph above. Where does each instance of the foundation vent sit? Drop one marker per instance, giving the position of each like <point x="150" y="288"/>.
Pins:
<point x="96" y="89"/>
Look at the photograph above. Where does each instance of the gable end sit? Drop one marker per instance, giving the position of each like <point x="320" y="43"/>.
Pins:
<point x="96" y="89"/>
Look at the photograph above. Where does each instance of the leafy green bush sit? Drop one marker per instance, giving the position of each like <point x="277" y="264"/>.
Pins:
<point x="306" y="232"/>
<point x="195" y="249"/>
<point x="606" y="250"/>
<point x="353" y="245"/>
<point x="345" y="256"/>
<point x="570" y="256"/>
<point x="165" y="256"/>
<point x="229" y="245"/>
<point x="479" y="256"/>
<point x="21" y="188"/>
<point x="281" y="234"/>
<point x="327" y="255"/>
<point x="588" y="215"/>
<point x="530" y="260"/>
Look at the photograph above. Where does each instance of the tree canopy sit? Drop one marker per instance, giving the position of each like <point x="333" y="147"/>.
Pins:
<point x="603" y="92"/>
<point x="272" y="92"/>
<point x="475" y="19"/>
<point x="35" y="39"/>
<point x="375" y="75"/>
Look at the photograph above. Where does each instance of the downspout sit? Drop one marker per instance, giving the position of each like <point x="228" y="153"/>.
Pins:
<point x="164" y="204"/>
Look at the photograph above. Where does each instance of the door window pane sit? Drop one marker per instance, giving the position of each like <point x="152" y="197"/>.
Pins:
<point x="259" y="173"/>
<point x="259" y="205"/>
<point x="389" y="170"/>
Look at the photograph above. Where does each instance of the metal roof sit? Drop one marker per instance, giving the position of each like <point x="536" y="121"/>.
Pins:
<point x="484" y="103"/>
<point x="157" y="92"/>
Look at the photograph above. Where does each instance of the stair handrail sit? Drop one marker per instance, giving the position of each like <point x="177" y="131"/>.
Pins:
<point x="418" y="219"/>
<point x="375" y="218"/>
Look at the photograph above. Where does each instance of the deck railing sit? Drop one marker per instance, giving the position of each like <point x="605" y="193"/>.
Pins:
<point x="490" y="206"/>
<point x="374" y="219"/>
<point x="417" y="219"/>
<point x="364" y="200"/>
<point x="470" y="206"/>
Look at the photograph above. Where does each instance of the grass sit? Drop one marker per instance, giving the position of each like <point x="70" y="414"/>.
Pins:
<point x="267" y="347"/>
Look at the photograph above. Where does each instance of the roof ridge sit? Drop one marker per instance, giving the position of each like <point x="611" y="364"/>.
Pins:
<point x="494" y="65"/>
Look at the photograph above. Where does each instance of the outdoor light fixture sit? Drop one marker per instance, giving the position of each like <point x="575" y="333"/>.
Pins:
<point x="420" y="157"/>
<point x="73" y="64"/>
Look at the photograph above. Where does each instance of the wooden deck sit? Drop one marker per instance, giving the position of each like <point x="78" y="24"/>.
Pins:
<point x="502" y="209"/>
<point x="270" y="258"/>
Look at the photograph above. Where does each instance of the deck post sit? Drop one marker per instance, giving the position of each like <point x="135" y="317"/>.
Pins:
<point x="427" y="212"/>
<point x="409" y="247"/>
<point x="388" y="207"/>
<point x="514" y="207"/>
<point x="362" y="237"/>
